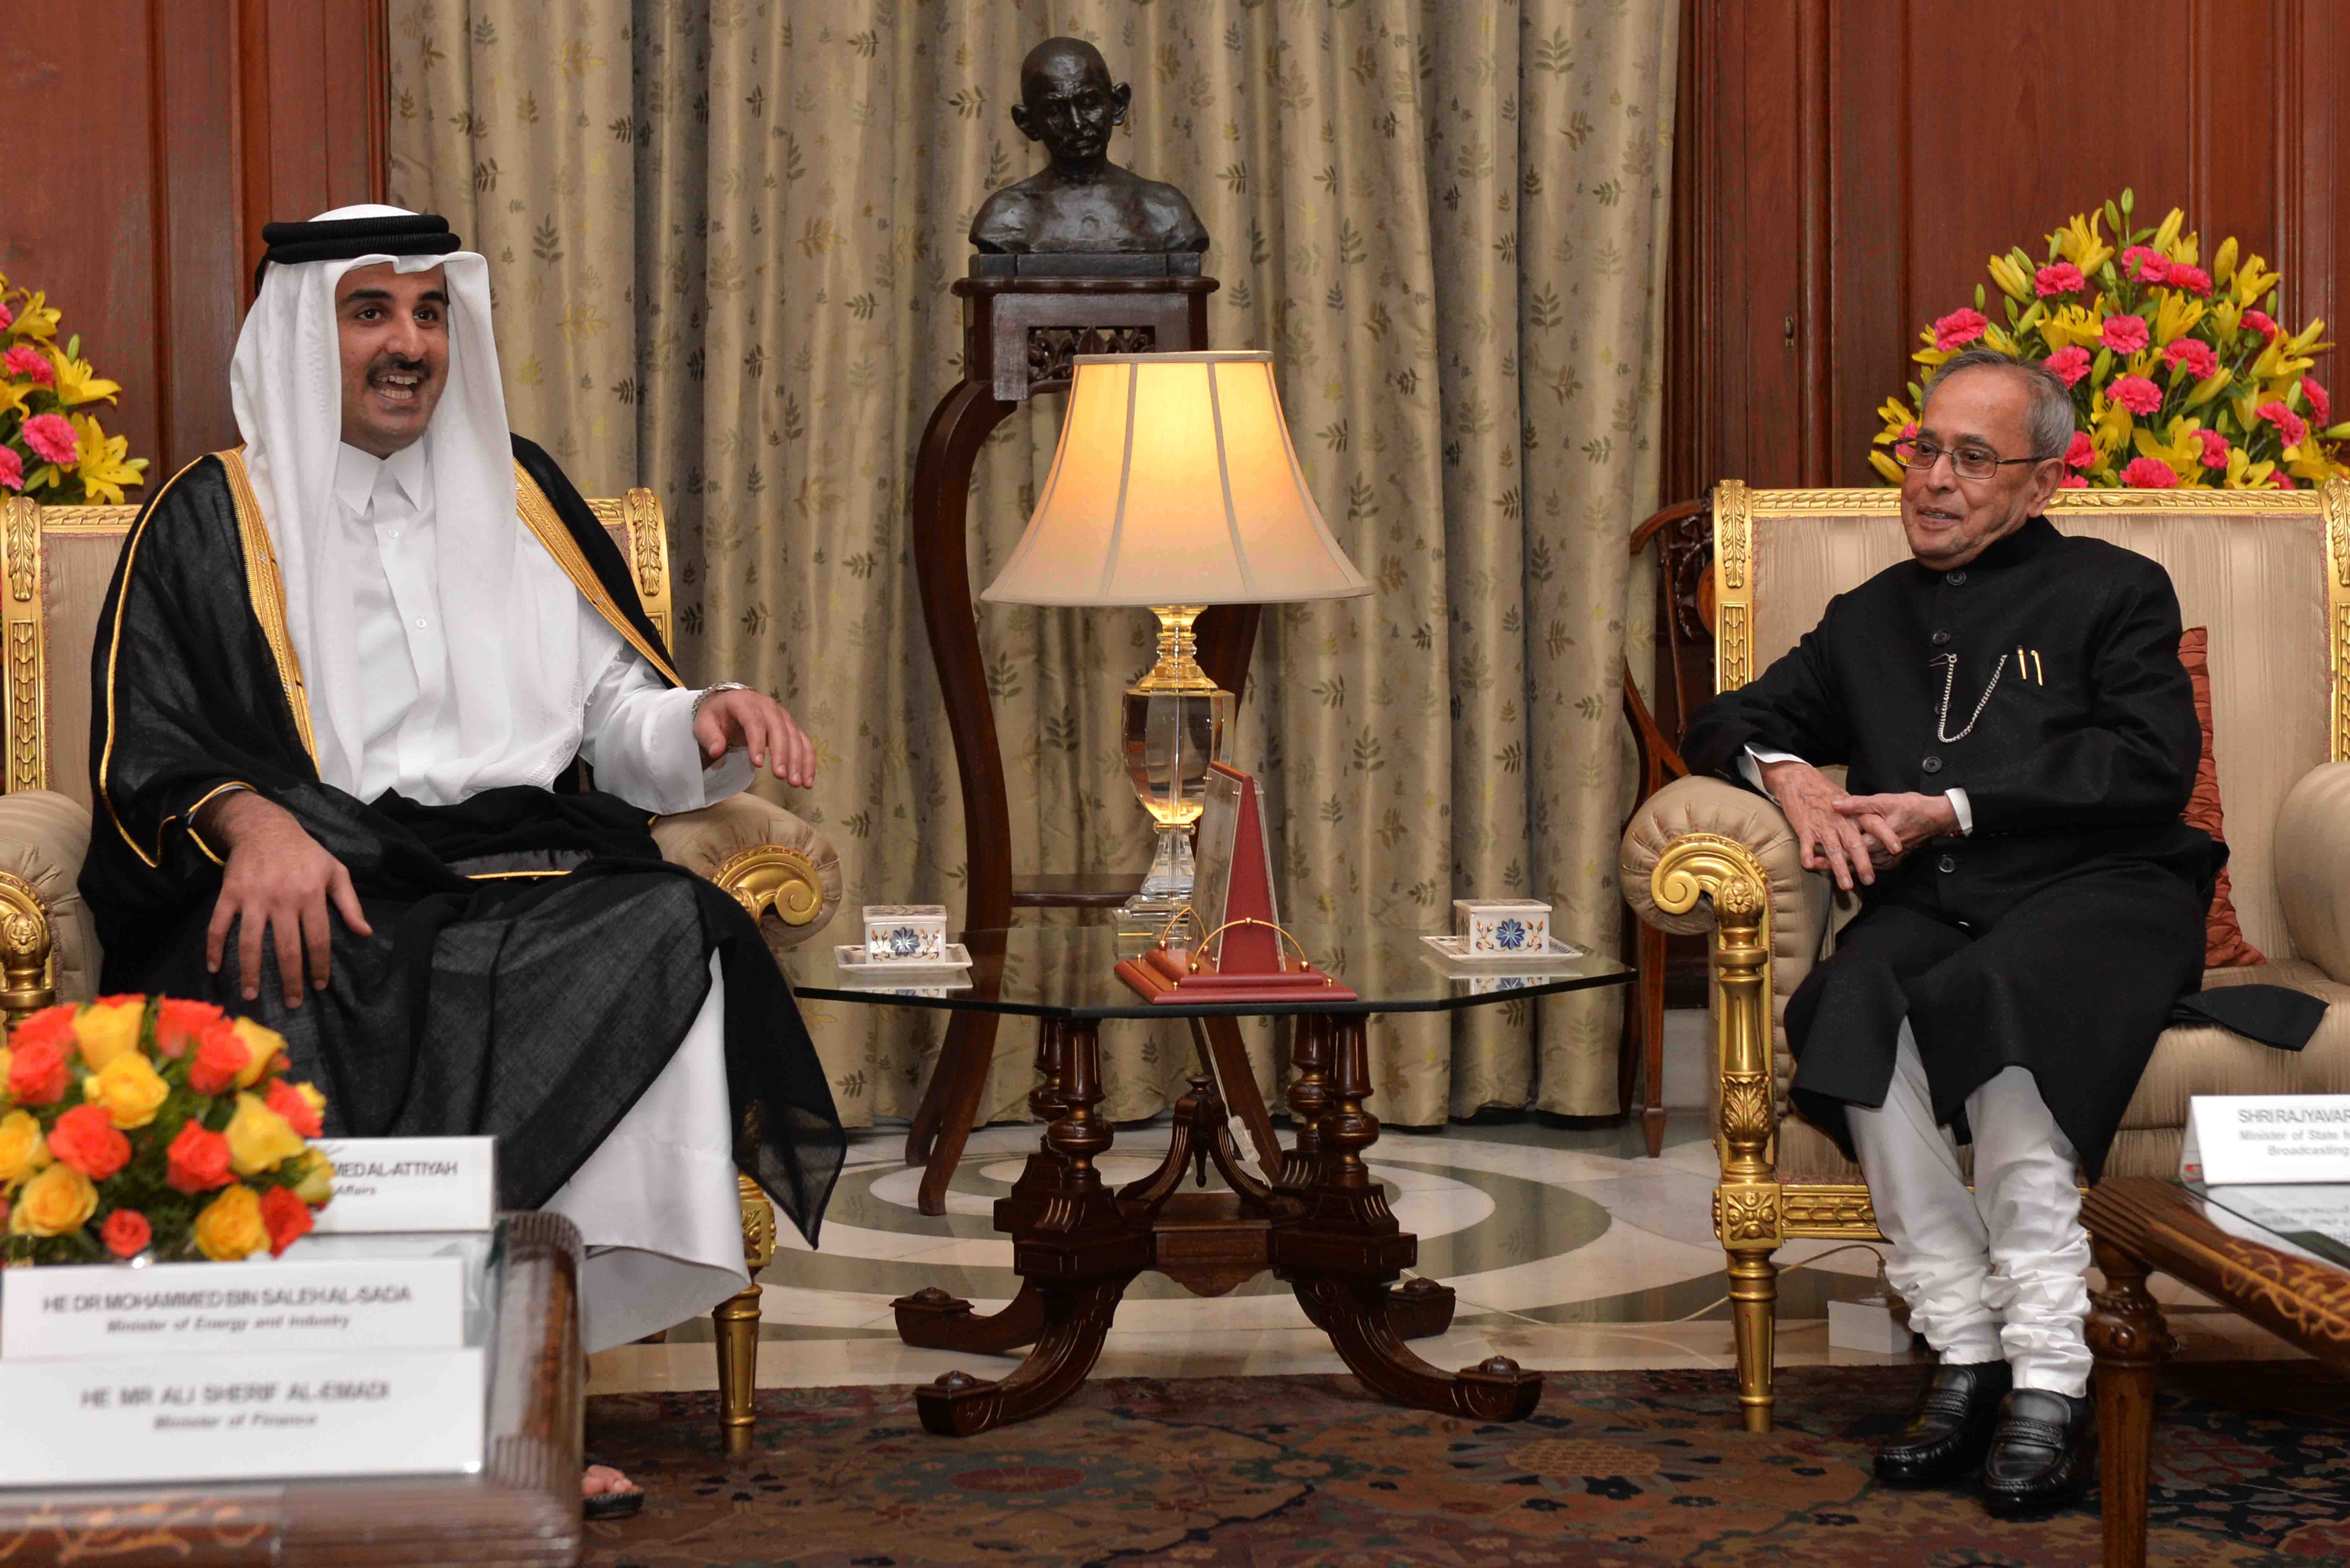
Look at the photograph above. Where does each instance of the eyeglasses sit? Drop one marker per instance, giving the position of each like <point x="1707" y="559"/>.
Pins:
<point x="1969" y="462"/>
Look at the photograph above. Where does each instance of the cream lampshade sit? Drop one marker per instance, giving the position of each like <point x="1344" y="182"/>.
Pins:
<point x="1175" y="487"/>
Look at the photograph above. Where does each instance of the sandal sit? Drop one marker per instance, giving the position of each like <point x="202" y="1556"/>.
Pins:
<point x="611" y="1505"/>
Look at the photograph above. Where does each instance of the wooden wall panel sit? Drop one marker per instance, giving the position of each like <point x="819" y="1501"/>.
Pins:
<point x="1851" y="164"/>
<point x="141" y="217"/>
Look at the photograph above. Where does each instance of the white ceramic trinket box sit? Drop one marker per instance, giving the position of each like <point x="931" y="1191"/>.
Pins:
<point x="905" y="933"/>
<point x="1501" y="927"/>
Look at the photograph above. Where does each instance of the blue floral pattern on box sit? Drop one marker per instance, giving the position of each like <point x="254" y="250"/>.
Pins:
<point x="1510" y="934"/>
<point x="905" y="942"/>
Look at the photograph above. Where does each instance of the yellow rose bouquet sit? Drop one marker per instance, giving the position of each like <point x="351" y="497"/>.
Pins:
<point x="51" y="445"/>
<point x="134" y="1124"/>
<point x="2182" y="377"/>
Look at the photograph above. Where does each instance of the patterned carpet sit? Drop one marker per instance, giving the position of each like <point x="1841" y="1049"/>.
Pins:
<point x="1616" y="1469"/>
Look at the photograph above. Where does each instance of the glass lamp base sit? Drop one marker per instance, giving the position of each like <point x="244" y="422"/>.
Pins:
<point x="1165" y="892"/>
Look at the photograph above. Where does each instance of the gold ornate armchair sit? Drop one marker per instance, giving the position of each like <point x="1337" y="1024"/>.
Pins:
<point x="2269" y="574"/>
<point x="59" y="562"/>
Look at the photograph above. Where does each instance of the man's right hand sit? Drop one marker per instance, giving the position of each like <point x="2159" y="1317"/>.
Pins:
<point x="279" y="882"/>
<point x="1825" y="840"/>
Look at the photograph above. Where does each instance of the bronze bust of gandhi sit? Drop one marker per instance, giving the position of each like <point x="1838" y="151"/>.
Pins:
<point x="1080" y="202"/>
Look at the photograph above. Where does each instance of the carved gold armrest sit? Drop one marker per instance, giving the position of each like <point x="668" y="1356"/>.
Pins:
<point x="26" y="982"/>
<point x="770" y="876"/>
<point x="767" y="858"/>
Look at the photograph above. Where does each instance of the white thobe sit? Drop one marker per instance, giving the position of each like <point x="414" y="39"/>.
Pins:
<point x="1992" y="1274"/>
<point x="656" y="1201"/>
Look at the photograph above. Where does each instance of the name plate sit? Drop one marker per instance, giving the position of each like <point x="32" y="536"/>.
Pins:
<point x="242" y="1417"/>
<point x="2244" y="1138"/>
<point x="193" y="1309"/>
<point x="410" y="1184"/>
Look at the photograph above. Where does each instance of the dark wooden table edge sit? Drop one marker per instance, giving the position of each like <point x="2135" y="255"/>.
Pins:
<point x="2142" y="1224"/>
<point x="522" y="1509"/>
<point x="968" y="1002"/>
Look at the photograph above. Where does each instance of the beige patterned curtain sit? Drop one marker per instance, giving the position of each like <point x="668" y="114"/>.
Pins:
<point x="722" y="233"/>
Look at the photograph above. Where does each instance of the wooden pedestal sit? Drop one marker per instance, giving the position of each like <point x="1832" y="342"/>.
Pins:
<point x="1323" y="1227"/>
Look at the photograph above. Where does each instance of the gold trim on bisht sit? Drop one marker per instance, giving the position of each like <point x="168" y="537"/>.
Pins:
<point x="538" y="515"/>
<point x="2336" y="502"/>
<point x="21" y="623"/>
<point x="113" y="652"/>
<point x="266" y="585"/>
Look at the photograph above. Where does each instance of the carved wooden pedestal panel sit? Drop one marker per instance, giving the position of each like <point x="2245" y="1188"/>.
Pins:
<point x="1323" y="1227"/>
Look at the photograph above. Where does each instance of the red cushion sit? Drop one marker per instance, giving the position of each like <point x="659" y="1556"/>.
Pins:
<point x="2224" y="946"/>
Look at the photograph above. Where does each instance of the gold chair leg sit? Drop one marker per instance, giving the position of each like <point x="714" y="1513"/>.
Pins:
<point x="1753" y="1304"/>
<point x="736" y="1320"/>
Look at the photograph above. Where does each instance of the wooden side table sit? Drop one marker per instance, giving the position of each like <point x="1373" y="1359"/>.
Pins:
<point x="2137" y="1224"/>
<point x="522" y="1509"/>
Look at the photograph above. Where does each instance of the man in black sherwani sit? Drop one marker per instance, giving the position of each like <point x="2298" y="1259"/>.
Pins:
<point x="2020" y="739"/>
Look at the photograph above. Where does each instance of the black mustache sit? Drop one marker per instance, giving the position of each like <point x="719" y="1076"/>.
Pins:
<point x="416" y="368"/>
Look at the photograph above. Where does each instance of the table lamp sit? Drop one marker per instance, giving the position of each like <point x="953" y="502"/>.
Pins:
<point x="1175" y="487"/>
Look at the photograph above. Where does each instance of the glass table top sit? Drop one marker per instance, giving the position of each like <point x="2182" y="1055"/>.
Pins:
<point x="2311" y="1219"/>
<point x="1071" y="971"/>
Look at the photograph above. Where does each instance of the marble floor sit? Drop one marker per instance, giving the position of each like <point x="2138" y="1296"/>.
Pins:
<point x="1568" y="1250"/>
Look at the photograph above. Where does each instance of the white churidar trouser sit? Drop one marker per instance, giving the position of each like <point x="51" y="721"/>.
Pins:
<point x="656" y="1202"/>
<point x="1992" y="1274"/>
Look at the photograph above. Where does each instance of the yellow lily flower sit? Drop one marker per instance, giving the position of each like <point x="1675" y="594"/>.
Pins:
<point x="1896" y="414"/>
<point x="2079" y="243"/>
<point x="2227" y="318"/>
<point x="2109" y="423"/>
<point x="78" y="383"/>
<point x="1997" y="337"/>
<point x="2071" y="326"/>
<point x="2016" y="285"/>
<point x="2165" y="233"/>
<point x="2223" y="263"/>
<point x="100" y="464"/>
<point x="2209" y="387"/>
<point x="1891" y="471"/>
<point x="12" y="395"/>
<point x="37" y="319"/>
<point x="2254" y="280"/>
<point x="2176" y="316"/>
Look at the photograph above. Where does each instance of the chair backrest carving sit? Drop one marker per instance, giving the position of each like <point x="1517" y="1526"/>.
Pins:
<point x="59" y="560"/>
<point x="2268" y="572"/>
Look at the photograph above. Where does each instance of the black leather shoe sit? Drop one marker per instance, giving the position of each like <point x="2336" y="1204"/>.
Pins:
<point x="1946" y="1434"/>
<point x="2044" y="1453"/>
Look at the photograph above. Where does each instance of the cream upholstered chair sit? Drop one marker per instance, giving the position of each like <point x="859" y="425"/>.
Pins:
<point x="2269" y="574"/>
<point x="59" y="562"/>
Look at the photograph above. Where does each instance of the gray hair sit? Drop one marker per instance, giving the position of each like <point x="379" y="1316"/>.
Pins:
<point x="2050" y="416"/>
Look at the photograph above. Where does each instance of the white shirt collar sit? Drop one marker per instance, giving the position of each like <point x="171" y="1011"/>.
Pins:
<point x="359" y="475"/>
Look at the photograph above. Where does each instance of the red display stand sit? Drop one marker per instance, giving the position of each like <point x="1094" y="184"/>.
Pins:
<point x="1250" y="964"/>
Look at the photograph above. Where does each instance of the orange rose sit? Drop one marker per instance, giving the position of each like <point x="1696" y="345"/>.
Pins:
<point x="198" y="1160"/>
<point x="51" y="1024"/>
<point x="125" y="1233"/>
<point x="36" y="1072"/>
<point x="87" y="1138"/>
<point x="286" y="1217"/>
<point x="299" y="1104"/>
<point x="107" y="1027"/>
<point x="180" y="1025"/>
<point x="220" y="1057"/>
<point x="230" y="1226"/>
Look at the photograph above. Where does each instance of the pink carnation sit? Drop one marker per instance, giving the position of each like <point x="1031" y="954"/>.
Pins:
<point x="2284" y="480"/>
<point x="8" y="318"/>
<point x="1959" y="328"/>
<point x="2195" y="354"/>
<point x="2193" y="279"/>
<point x="2068" y="365"/>
<point x="12" y="469"/>
<point x="2320" y="403"/>
<point x="2259" y="321"/>
<point x="2072" y="481"/>
<point x="2145" y="265"/>
<point x="28" y="362"/>
<point x="2058" y="277"/>
<point x="2289" y="424"/>
<point x="2137" y="394"/>
<point x="2149" y="474"/>
<point x="2081" y="452"/>
<point x="2215" y="448"/>
<point x="2124" y="334"/>
<point x="52" y="440"/>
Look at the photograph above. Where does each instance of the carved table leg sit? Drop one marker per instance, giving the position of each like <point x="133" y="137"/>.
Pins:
<point x="933" y="1320"/>
<point x="1309" y="1096"/>
<point x="737" y="1322"/>
<point x="2126" y="1334"/>
<point x="1073" y="1249"/>
<point x="1343" y="1253"/>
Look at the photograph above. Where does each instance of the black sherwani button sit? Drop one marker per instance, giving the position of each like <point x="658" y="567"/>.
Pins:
<point x="1957" y="580"/>
<point x="1932" y="764"/>
<point x="1947" y="863"/>
<point x="1940" y="638"/>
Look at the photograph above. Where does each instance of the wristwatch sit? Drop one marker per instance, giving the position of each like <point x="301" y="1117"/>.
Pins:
<point x="707" y="692"/>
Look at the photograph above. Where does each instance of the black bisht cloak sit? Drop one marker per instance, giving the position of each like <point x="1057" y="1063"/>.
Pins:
<point x="535" y="962"/>
<point x="2065" y="931"/>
